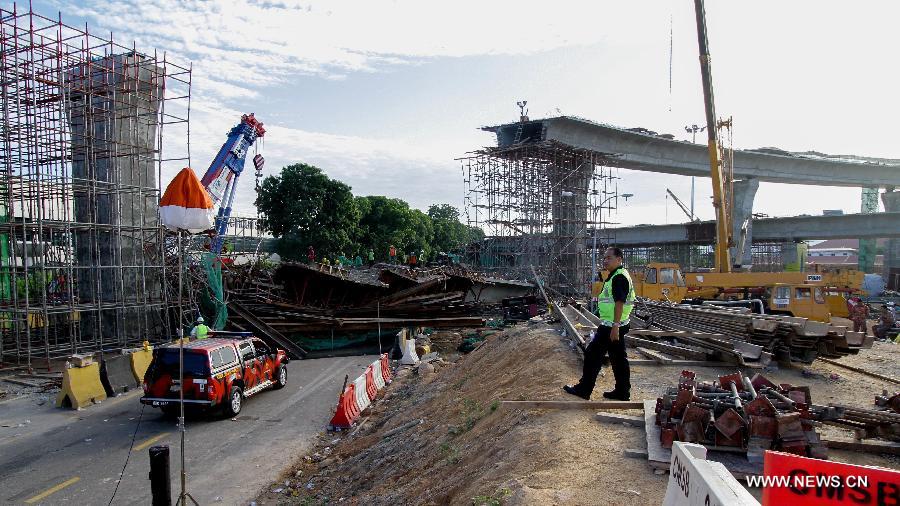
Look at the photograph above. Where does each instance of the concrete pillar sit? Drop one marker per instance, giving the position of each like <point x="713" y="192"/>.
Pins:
<point x="570" y="269"/>
<point x="868" y="205"/>
<point x="891" y="271"/>
<point x="742" y="221"/>
<point x="112" y="115"/>
<point x="794" y="256"/>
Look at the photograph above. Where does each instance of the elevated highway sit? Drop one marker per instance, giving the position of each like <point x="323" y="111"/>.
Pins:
<point x="642" y="150"/>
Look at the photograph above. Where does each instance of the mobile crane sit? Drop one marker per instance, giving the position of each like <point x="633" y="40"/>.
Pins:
<point x="813" y="295"/>
<point x="221" y="178"/>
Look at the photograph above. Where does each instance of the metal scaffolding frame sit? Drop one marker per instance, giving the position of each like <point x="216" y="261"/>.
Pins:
<point x="541" y="204"/>
<point x="698" y="257"/>
<point x="82" y="253"/>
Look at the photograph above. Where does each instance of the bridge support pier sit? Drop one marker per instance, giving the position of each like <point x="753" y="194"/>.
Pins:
<point x="891" y="266"/>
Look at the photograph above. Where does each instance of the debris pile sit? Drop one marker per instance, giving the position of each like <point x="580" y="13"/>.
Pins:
<point x="746" y="336"/>
<point x="740" y="414"/>
<point x="311" y="301"/>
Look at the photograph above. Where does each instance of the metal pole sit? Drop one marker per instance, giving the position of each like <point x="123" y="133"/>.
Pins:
<point x="183" y="497"/>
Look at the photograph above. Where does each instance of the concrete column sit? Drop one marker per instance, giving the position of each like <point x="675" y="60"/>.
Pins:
<point x="112" y="114"/>
<point x="891" y="271"/>
<point x="868" y="205"/>
<point x="794" y="256"/>
<point x="742" y="221"/>
<point x="569" y="267"/>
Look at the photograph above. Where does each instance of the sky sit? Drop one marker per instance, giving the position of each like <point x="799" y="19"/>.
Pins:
<point x="386" y="95"/>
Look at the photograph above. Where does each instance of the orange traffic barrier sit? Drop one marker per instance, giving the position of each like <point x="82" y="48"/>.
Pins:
<point x="346" y="412"/>
<point x="386" y="369"/>
<point x="371" y="389"/>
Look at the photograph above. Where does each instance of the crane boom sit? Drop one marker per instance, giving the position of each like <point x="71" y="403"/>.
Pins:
<point x="683" y="207"/>
<point x="220" y="179"/>
<point x="723" y="220"/>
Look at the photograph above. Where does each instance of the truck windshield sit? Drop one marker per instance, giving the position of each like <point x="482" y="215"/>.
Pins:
<point x="195" y="362"/>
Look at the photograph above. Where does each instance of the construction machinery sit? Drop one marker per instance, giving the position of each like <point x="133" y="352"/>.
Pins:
<point x="222" y="176"/>
<point x="814" y="295"/>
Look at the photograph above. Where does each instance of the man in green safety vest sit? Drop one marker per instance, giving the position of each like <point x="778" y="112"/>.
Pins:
<point x="200" y="331"/>
<point x="614" y="306"/>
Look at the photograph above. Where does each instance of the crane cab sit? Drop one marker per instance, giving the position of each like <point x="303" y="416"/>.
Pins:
<point x="660" y="281"/>
<point x="804" y="300"/>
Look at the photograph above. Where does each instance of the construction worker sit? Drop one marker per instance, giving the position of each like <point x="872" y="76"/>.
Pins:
<point x="422" y="258"/>
<point x="200" y="330"/>
<point x="371" y="256"/>
<point x="311" y="254"/>
<point x="357" y="262"/>
<point x="858" y="313"/>
<point x="887" y="322"/>
<point x="392" y="254"/>
<point x="412" y="259"/>
<point x="614" y="306"/>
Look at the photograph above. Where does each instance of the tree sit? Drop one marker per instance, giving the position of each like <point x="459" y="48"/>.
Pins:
<point x="303" y="207"/>
<point x="449" y="233"/>
<point x="385" y="221"/>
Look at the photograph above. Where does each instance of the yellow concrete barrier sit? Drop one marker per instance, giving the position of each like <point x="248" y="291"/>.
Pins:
<point x="140" y="361"/>
<point x="80" y="387"/>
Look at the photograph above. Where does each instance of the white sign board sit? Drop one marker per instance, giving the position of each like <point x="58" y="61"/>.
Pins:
<point x="695" y="481"/>
<point x="813" y="278"/>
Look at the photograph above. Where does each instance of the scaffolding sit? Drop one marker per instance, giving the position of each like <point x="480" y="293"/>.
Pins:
<point x="700" y="256"/>
<point x="540" y="204"/>
<point x="82" y="254"/>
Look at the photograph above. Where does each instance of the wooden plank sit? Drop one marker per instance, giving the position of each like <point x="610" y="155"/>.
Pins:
<point x="637" y="421"/>
<point x="863" y="446"/>
<point x="574" y="404"/>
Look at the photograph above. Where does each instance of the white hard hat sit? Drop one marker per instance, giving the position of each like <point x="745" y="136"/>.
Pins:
<point x="200" y="319"/>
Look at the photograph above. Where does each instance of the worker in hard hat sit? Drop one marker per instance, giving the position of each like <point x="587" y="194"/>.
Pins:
<point x="200" y="330"/>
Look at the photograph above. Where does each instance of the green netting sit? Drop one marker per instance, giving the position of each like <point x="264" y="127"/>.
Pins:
<point x="326" y="342"/>
<point x="212" y="300"/>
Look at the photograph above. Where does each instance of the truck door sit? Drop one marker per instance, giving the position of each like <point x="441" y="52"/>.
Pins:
<point x="265" y="360"/>
<point x="248" y="367"/>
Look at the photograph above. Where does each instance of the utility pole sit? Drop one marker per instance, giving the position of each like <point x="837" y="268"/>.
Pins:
<point x="693" y="129"/>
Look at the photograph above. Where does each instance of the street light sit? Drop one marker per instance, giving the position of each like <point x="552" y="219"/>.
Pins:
<point x="693" y="129"/>
<point x="626" y="196"/>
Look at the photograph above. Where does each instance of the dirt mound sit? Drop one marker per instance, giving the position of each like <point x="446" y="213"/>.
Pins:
<point x="469" y="449"/>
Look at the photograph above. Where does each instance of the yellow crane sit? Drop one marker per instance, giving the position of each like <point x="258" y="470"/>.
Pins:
<point x="814" y="295"/>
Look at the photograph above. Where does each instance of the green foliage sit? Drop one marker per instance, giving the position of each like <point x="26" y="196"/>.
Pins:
<point x="449" y="233"/>
<point x="302" y="207"/>
<point x="472" y="411"/>
<point x="492" y="500"/>
<point x="449" y="452"/>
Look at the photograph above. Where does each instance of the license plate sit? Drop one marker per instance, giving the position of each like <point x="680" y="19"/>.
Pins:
<point x="175" y="388"/>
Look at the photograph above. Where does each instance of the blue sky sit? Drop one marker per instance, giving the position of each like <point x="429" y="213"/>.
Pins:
<point x="384" y="95"/>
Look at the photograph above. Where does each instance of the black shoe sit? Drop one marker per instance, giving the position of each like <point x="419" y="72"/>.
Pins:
<point x="618" y="396"/>
<point x="576" y="392"/>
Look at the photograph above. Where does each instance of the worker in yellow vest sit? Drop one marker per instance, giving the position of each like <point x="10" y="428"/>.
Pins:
<point x="614" y="305"/>
<point x="200" y="331"/>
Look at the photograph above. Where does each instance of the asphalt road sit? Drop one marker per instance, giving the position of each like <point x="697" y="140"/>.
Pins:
<point x="55" y="456"/>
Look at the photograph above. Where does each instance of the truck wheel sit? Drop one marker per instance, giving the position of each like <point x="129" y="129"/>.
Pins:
<point x="234" y="402"/>
<point x="281" y="380"/>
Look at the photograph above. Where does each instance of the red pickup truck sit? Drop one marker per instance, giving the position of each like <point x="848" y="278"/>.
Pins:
<point x="219" y="373"/>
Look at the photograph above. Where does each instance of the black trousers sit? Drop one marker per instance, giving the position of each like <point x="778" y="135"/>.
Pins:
<point x="618" y="359"/>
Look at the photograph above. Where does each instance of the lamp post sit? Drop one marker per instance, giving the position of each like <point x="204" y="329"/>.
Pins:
<point x="693" y="129"/>
<point x="626" y="196"/>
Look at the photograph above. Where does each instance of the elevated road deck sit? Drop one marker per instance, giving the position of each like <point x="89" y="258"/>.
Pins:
<point x="796" y="228"/>
<point x="636" y="150"/>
